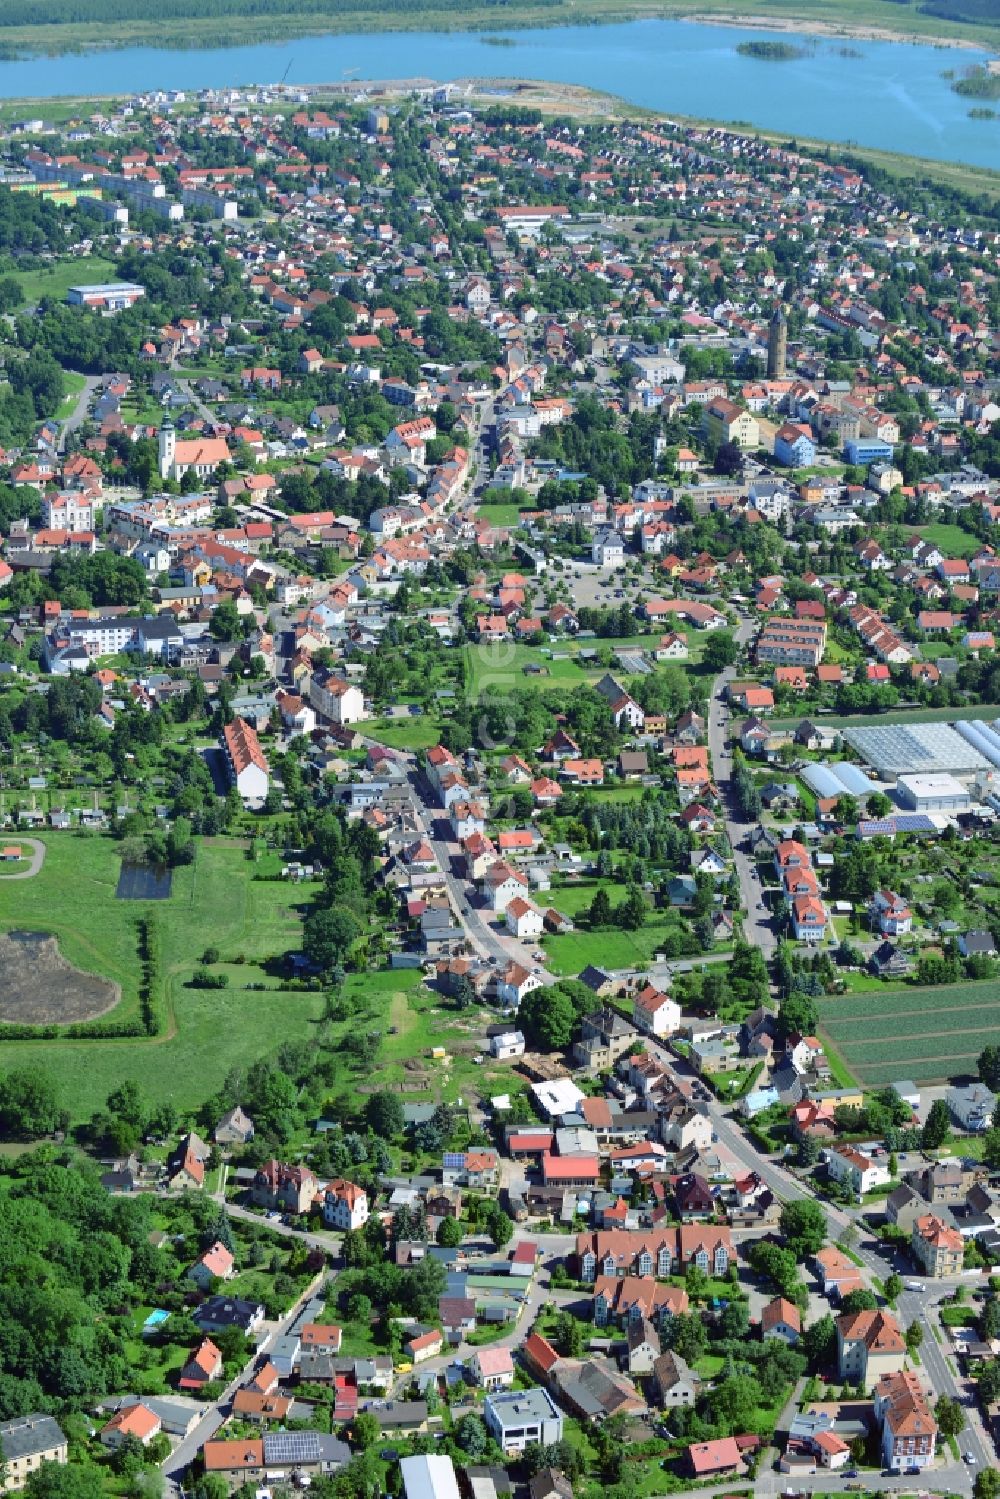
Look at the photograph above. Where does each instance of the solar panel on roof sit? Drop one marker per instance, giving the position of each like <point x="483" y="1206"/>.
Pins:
<point x="291" y="1447"/>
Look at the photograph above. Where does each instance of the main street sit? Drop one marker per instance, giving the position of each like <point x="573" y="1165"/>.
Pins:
<point x="757" y="926"/>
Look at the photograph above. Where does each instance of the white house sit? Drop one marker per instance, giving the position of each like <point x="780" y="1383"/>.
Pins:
<point x="607" y="549"/>
<point x="522" y="918"/>
<point x="248" y="767"/>
<point x="493" y="1368"/>
<point x="336" y="698"/>
<point x="857" y="1171"/>
<point x="656" y="1013"/>
<point x="515" y="982"/>
<point x="509" y="1044"/>
<point x="893" y="915"/>
<point x="345" y="1205"/>
<point x="501" y="884"/>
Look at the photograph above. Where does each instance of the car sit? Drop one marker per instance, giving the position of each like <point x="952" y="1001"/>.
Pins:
<point x="970" y="1458"/>
<point x="913" y="1285"/>
<point x="913" y="1471"/>
<point x="850" y="1473"/>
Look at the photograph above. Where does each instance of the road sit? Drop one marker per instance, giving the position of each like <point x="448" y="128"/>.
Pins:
<point x="939" y="1366"/>
<point x="474" y="919"/>
<point x="184" y="1454"/>
<point x="758" y="929"/>
<point x="330" y="1243"/>
<point x="205" y="412"/>
<point x="78" y="415"/>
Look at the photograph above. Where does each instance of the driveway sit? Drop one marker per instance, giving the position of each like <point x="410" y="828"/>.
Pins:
<point x="78" y="415"/>
<point x="37" y="859"/>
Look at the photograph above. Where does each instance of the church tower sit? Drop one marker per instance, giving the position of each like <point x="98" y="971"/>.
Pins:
<point x="167" y="448"/>
<point x="777" y="345"/>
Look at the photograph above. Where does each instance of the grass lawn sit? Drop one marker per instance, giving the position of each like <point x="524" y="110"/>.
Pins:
<point x="55" y="280"/>
<point x="500" y="514"/>
<point x="570" y="953"/>
<point x="502" y="666"/>
<point x="73" y="383"/>
<point x="213" y="902"/>
<point x="405" y="733"/>
<point x="952" y="539"/>
<point x="413" y="1021"/>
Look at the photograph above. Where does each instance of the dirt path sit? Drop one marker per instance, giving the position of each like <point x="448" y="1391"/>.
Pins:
<point x="37" y="859"/>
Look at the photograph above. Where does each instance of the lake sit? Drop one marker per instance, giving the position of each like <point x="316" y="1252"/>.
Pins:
<point x="890" y="95"/>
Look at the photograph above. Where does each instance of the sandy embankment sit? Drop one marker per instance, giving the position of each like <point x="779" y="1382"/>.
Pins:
<point x="839" y="32"/>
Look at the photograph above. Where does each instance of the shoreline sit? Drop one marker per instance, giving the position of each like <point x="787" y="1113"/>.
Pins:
<point x="829" y="31"/>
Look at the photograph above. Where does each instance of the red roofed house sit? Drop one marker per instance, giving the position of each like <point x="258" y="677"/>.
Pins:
<point x="570" y="1170"/>
<point x="247" y="763"/>
<point x="709" y="1459"/>
<point x="134" y="1421"/>
<point x="425" y="1345"/>
<point x="215" y="1264"/>
<point x="345" y="1205"/>
<point x="204" y="1365"/>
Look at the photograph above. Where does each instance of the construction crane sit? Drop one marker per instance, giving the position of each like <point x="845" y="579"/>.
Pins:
<point x="281" y="83"/>
<point x="350" y="73"/>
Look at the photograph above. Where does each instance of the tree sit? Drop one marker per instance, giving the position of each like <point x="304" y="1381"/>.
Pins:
<point x="991" y="1148"/>
<point x="328" y="936"/>
<point x="798" y="1014"/>
<point x="720" y="650"/>
<point x="987" y="1484"/>
<point x="473" y="1438"/>
<point x="914" y="1336"/>
<point x="937" y="1127"/>
<point x="129" y="1456"/>
<point x="359" y="1308"/>
<point x="859" y="1301"/>
<point x="600" y="909"/>
<point x="64" y="1481"/>
<point x="803" y="1226"/>
<point x="29" y="1104"/>
<point x="500" y="1227"/>
<point x="893" y="1287"/>
<point x="989" y="1067"/>
<point x="366" y="1430"/>
<point x="384" y="1115"/>
<point x="449" y="1233"/>
<point x="950" y="1416"/>
<point x="729" y="459"/>
<point x="548" y="1018"/>
<point x="819" y="1342"/>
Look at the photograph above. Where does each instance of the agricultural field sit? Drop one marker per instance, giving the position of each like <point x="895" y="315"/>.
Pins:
<point x="217" y="901"/>
<point x="929" y="1035"/>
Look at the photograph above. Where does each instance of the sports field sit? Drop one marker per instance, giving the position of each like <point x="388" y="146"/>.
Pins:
<point x="929" y="1035"/>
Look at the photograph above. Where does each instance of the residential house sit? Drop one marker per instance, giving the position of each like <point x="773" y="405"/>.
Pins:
<point x="937" y="1247"/>
<point x="869" y="1344"/>
<point x="345" y="1205"/>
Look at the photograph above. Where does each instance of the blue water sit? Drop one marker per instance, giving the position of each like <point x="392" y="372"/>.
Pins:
<point x="891" y="96"/>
